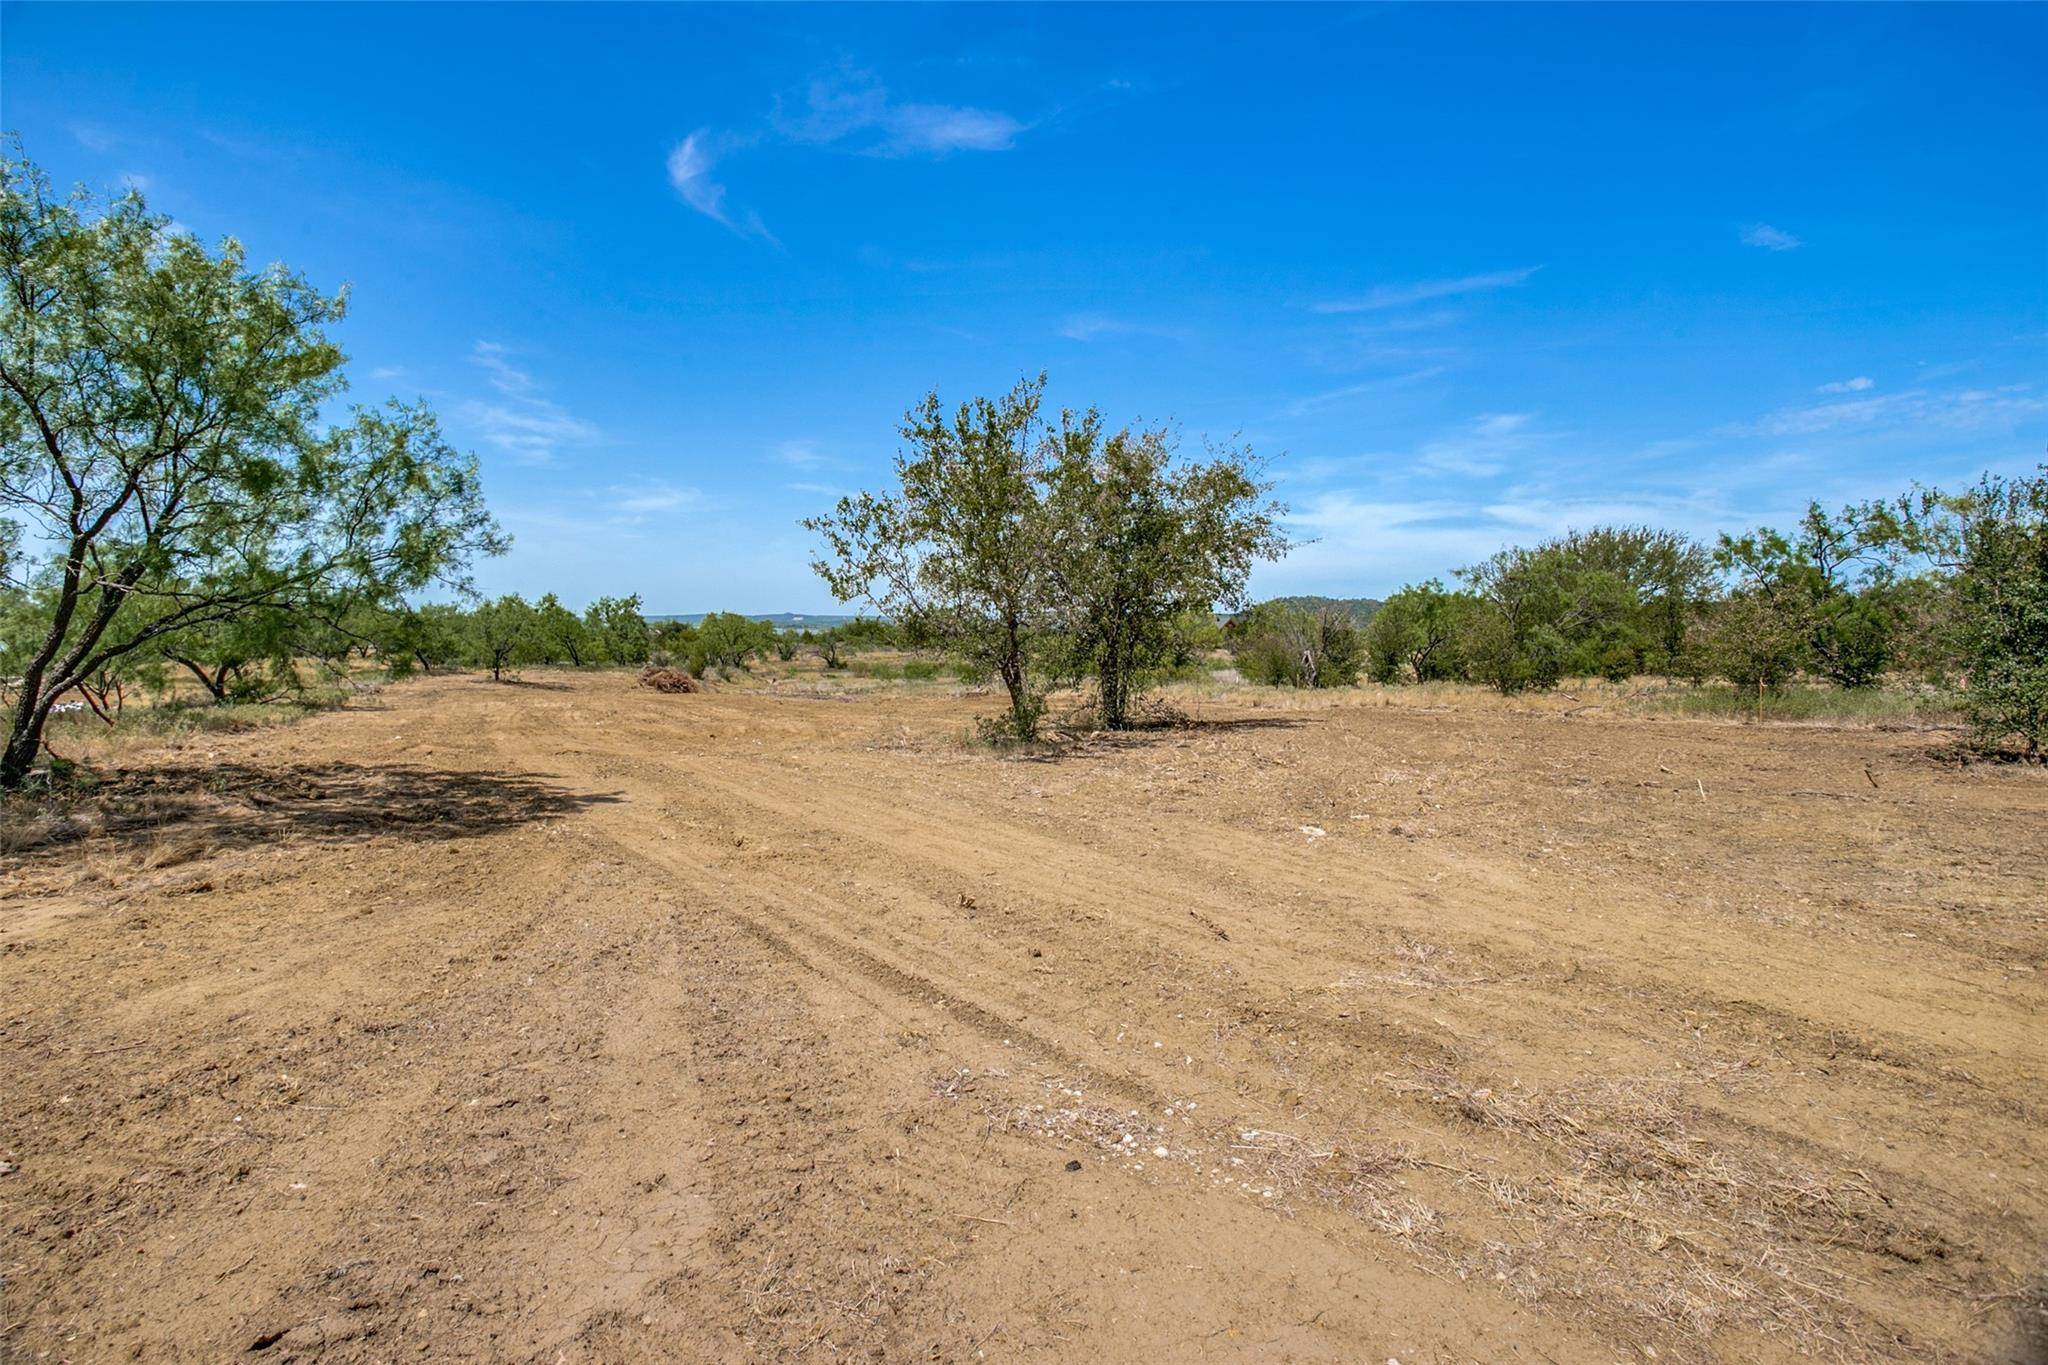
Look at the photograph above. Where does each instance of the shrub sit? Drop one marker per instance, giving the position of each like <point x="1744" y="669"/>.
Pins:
<point x="1283" y="645"/>
<point x="2003" y="610"/>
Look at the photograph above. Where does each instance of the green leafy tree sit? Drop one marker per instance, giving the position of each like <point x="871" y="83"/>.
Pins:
<point x="726" y="639"/>
<point x="1283" y="645"/>
<point x="1528" y="599"/>
<point x="161" y="431"/>
<point x="1414" y="635"/>
<point x="240" y="659"/>
<point x="1991" y="546"/>
<point x="617" y="631"/>
<point x="1139" y="540"/>
<point x="1829" y="583"/>
<point x="1614" y="600"/>
<point x="559" y="636"/>
<point x="1752" y="641"/>
<point x="436" y="635"/>
<point x="957" y="556"/>
<point x="1191" y="636"/>
<point x="505" y="633"/>
<point x="1668" y="577"/>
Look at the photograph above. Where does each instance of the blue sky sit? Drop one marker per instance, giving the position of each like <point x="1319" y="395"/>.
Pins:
<point x="1470" y="275"/>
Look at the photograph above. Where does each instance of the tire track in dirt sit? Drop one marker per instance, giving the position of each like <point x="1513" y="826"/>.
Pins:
<point x="801" y="1102"/>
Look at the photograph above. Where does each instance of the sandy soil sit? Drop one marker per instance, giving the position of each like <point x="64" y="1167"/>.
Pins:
<point x="567" y="1021"/>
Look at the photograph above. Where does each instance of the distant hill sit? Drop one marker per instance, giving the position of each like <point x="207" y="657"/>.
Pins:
<point x="1361" y="608"/>
<point x="782" y="620"/>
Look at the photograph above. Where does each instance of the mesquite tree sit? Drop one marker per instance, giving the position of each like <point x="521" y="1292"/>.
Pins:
<point x="1031" y="549"/>
<point x="957" y="555"/>
<point x="1140" y="538"/>
<point x="162" y="445"/>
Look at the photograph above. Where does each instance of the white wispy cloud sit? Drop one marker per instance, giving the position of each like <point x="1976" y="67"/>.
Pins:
<point x="96" y="138"/>
<point x="1364" y="542"/>
<point x="853" y="111"/>
<point x="690" y="163"/>
<point x="1925" y="409"/>
<point x="1488" y="445"/>
<point x="1337" y="397"/>
<point x="849" y="111"/>
<point x="1095" y="326"/>
<point x="520" y="421"/>
<point x="1856" y="385"/>
<point x="1482" y="447"/>
<point x="1770" y="238"/>
<point x="636" y="503"/>
<point x="803" y="454"/>
<point x="1421" y="291"/>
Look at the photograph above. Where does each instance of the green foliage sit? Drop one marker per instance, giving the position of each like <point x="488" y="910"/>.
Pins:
<point x="616" y="630"/>
<point x="727" y="640"/>
<point x="1415" y="635"/>
<point x="429" y="637"/>
<point x="1285" y="646"/>
<point x="867" y="632"/>
<point x="1360" y="609"/>
<point x="958" y="555"/>
<point x="1827" y="588"/>
<point x="504" y="634"/>
<point x="558" y="634"/>
<point x="1031" y="551"/>
<point x="1992" y="544"/>
<point x="1141" y="541"/>
<point x="1613" y="601"/>
<point x="161" y="429"/>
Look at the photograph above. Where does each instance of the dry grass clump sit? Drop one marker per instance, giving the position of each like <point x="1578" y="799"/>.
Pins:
<point x="1361" y="1179"/>
<point x="28" y="823"/>
<point x="1420" y="969"/>
<point x="1631" y="1205"/>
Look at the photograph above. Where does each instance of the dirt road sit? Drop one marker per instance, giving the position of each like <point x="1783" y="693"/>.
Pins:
<point x="566" y="1021"/>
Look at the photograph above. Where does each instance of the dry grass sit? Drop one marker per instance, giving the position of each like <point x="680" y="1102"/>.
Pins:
<point x="1670" y="1226"/>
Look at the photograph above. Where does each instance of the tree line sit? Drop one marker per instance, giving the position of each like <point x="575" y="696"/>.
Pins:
<point x="1947" y="588"/>
<point x="181" y="494"/>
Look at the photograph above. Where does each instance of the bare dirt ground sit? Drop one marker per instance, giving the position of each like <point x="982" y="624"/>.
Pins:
<point x="567" y="1021"/>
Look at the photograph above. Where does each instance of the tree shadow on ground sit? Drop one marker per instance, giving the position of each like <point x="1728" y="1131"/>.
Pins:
<point x="220" y="806"/>
<point x="1058" y="745"/>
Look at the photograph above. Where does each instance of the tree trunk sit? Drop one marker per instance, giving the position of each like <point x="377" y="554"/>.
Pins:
<point x="1022" y="722"/>
<point x="1013" y="679"/>
<point x="24" y="740"/>
<point x="216" y="684"/>
<point x="1113" y="681"/>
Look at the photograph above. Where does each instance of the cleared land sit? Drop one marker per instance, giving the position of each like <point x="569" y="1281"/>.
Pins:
<point x="567" y="1021"/>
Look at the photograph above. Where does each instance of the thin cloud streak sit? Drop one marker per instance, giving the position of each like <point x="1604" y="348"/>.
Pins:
<point x="521" y="423"/>
<point x="1950" y="410"/>
<point x="1421" y="291"/>
<point x="1770" y="238"/>
<point x="854" y="112"/>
